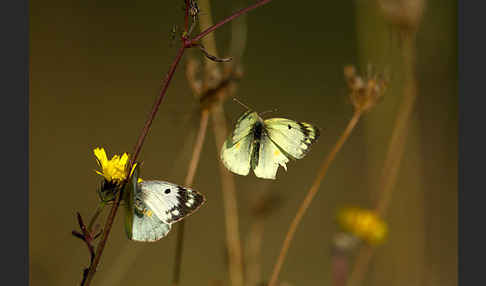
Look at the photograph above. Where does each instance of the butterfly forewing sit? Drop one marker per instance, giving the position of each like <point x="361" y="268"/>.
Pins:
<point x="244" y="125"/>
<point x="291" y="136"/>
<point x="237" y="157"/>
<point x="237" y="150"/>
<point x="170" y="202"/>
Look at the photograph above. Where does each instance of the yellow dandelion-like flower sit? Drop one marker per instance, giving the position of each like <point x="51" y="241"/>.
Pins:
<point x="363" y="223"/>
<point x="115" y="169"/>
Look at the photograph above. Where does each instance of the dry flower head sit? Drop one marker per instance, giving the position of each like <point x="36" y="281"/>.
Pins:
<point x="365" y="91"/>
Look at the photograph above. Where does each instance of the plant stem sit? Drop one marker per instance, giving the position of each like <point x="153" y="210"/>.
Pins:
<point x="253" y="252"/>
<point x="230" y="18"/>
<point x="397" y="142"/>
<point x="196" y="154"/>
<point x="339" y="267"/>
<point x="187" y="43"/>
<point x="109" y="222"/>
<point x="310" y="196"/>
<point x="156" y="106"/>
<point x="233" y="242"/>
<point x="212" y="78"/>
<point x="186" y="15"/>
<point x="394" y="154"/>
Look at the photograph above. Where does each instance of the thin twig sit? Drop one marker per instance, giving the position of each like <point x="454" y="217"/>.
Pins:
<point x="211" y="57"/>
<point x="230" y="18"/>
<point x="196" y="154"/>
<point x="310" y="196"/>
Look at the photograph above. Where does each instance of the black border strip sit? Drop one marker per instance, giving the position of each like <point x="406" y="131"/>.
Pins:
<point x="472" y="142"/>
<point x="14" y="31"/>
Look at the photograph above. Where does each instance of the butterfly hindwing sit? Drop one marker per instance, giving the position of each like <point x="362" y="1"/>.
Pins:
<point x="140" y="223"/>
<point x="291" y="136"/>
<point x="169" y="202"/>
<point x="148" y="227"/>
<point x="269" y="158"/>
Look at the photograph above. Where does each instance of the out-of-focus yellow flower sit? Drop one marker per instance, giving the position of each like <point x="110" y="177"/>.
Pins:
<point x="115" y="169"/>
<point x="363" y="223"/>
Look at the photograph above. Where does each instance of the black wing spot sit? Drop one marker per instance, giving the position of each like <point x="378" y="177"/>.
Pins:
<point x="167" y="191"/>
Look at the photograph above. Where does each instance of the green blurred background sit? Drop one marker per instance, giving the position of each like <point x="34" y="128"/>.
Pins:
<point x="96" y="69"/>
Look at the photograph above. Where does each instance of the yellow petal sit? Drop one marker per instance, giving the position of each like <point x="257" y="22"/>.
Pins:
<point x="101" y="155"/>
<point x="124" y="159"/>
<point x="133" y="169"/>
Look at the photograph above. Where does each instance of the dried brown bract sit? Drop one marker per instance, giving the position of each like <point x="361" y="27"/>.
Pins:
<point x="365" y="91"/>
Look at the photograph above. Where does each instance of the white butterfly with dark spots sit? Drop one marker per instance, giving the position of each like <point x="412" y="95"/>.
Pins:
<point x="153" y="206"/>
<point x="264" y="145"/>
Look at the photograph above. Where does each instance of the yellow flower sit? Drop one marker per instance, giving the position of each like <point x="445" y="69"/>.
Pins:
<point x="364" y="224"/>
<point x="115" y="169"/>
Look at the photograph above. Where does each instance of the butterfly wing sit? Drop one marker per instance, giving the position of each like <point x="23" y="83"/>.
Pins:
<point x="237" y="150"/>
<point x="237" y="157"/>
<point x="140" y="223"/>
<point x="294" y="138"/>
<point x="244" y="125"/>
<point x="147" y="227"/>
<point x="169" y="202"/>
<point x="268" y="158"/>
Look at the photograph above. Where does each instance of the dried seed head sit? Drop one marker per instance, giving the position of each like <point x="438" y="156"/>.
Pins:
<point x="406" y="14"/>
<point x="365" y="91"/>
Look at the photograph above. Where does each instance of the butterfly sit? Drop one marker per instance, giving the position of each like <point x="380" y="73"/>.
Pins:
<point x="153" y="206"/>
<point x="264" y="145"/>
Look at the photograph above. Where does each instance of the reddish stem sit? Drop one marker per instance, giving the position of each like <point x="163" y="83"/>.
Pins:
<point x="138" y="146"/>
<point x="156" y="106"/>
<point x="229" y="19"/>
<point x="187" y="43"/>
<point x="186" y="16"/>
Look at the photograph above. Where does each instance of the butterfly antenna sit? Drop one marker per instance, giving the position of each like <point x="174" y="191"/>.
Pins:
<point x="268" y="111"/>
<point x="242" y="104"/>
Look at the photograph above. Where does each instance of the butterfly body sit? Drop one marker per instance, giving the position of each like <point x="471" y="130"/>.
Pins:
<point x="264" y="145"/>
<point x="153" y="206"/>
